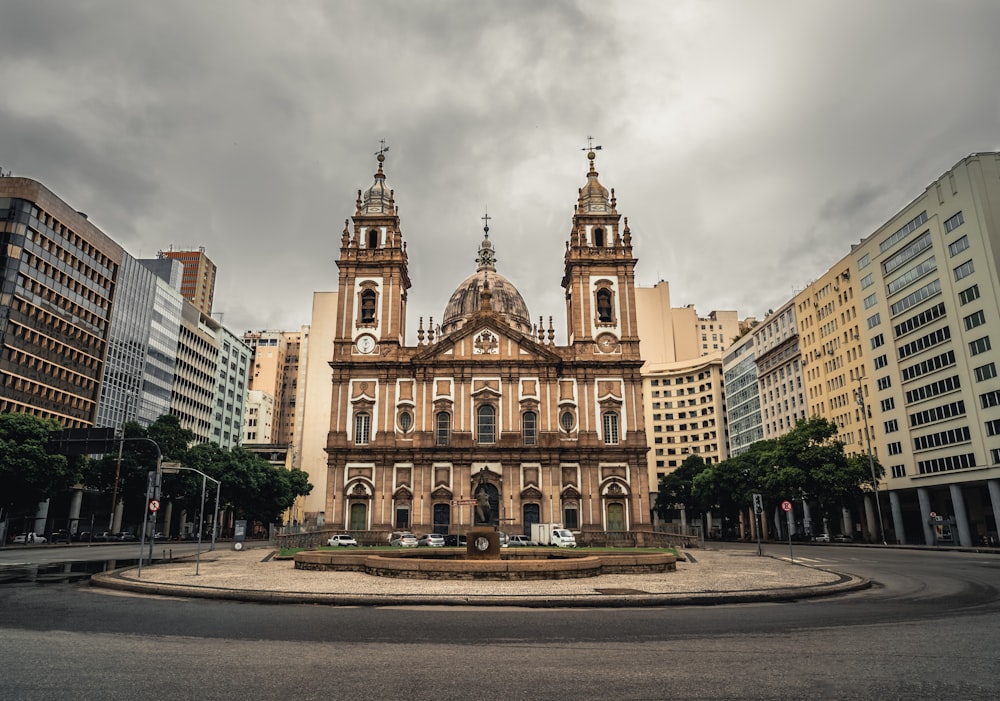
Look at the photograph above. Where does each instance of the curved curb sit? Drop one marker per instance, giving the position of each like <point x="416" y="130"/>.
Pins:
<point x="846" y="583"/>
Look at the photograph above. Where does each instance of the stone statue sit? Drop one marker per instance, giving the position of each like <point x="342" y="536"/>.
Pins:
<point x="484" y="514"/>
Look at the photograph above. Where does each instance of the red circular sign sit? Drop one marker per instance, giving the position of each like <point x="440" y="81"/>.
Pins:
<point x="154" y="505"/>
<point x="786" y="506"/>
<point x="933" y="514"/>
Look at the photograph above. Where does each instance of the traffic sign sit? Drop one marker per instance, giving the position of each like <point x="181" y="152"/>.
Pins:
<point x="154" y="505"/>
<point x="786" y="506"/>
<point x="933" y="514"/>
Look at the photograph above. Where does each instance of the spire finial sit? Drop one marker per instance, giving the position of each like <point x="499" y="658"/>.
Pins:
<point x="486" y="222"/>
<point x="590" y="151"/>
<point x="383" y="149"/>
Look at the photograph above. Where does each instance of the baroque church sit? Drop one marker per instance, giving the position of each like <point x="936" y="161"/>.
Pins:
<point x="486" y="420"/>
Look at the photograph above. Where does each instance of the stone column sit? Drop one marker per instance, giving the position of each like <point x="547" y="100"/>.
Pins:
<point x="846" y="524"/>
<point x="116" y="521"/>
<point x="708" y="524"/>
<point x="961" y="518"/>
<point x="41" y="516"/>
<point x="75" y="502"/>
<point x="870" y="518"/>
<point x="994" y="487"/>
<point x="807" y="518"/>
<point x="924" y="499"/>
<point x="897" y="518"/>
<point x="790" y="520"/>
<point x="168" y="512"/>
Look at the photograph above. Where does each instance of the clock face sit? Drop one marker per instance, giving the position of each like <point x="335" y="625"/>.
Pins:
<point x="366" y="344"/>
<point x="482" y="544"/>
<point x="607" y="342"/>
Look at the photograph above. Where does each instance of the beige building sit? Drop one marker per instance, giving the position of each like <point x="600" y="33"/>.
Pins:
<point x="779" y="371"/>
<point x="258" y="424"/>
<point x="486" y="408"/>
<point x="929" y="296"/>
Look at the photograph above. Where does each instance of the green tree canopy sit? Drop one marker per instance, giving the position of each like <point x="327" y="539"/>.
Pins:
<point x="28" y="473"/>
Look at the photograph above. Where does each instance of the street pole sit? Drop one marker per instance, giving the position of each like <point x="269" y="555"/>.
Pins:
<point x="215" y="518"/>
<point x="871" y="462"/>
<point x="201" y="525"/>
<point x="145" y="516"/>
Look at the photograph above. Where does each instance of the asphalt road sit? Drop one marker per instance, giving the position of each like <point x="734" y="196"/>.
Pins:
<point x="930" y="628"/>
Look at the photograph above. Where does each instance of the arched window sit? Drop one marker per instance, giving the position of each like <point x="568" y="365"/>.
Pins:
<point x="604" y="308"/>
<point x="373" y="238"/>
<point x="362" y="428"/>
<point x="368" y="307"/>
<point x="442" y="426"/>
<point x="567" y="420"/>
<point x="405" y="420"/>
<point x="610" y="428"/>
<point x="486" y="424"/>
<point x="599" y="238"/>
<point x="529" y="427"/>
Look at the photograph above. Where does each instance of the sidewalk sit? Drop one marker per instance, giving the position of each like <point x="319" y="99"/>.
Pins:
<point x="707" y="577"/>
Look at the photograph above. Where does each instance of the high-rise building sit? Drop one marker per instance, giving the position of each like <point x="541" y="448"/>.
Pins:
<point x="742" y="391"/>
<point x="198" y="282"/>
<point x="930" y="315"/>
<point x="779" y="371"/>
<point x="59" y="279"/>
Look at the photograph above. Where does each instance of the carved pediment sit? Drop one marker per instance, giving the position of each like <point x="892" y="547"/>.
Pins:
<point x="403" y="494"/>
<point x="570" y="493"/>
<point x="441" y="494"/>
<point x="486" y="338"/>
<point x="531" y="494"/>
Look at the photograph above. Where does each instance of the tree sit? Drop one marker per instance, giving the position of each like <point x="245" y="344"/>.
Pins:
<point x="29" y="474"/>
<point x="256" y="490"/>
<point x="675" y="487"/>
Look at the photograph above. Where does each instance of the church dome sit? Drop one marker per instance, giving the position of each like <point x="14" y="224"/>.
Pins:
<point x="593" y="195"/>
<point x="378" y="198"/>
<point x="500" y="293"/>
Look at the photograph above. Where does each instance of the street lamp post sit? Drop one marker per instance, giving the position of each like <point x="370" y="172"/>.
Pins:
<point x="174" y="469"/>
<point x="871" y="460"/>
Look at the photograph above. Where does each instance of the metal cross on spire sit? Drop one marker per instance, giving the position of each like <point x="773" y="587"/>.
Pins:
<point x="590" y="146"/>
<point x="486" y="222"/>
<point x="383" y="149"/>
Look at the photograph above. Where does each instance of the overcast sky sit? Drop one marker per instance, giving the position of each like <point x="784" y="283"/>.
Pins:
<point x="749" y="143"/>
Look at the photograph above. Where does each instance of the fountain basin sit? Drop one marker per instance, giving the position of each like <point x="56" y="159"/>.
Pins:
<point x="521" y="564"/>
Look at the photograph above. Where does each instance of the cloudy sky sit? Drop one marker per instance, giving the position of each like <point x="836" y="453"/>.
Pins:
<point x="749" y="143"/>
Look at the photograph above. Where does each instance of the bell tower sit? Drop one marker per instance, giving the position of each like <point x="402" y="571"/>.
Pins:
<point x="374" y="276"/>
<point x="599" y="276"/>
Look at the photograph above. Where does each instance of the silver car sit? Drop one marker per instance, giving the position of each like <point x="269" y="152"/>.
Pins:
<point x="431" y="540"/>
<point x="403" y="540"/>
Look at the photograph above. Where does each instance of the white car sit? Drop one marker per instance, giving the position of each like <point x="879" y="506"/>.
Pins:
<point x="345" y="540"/>
<point x="29" y="538"/>
<point x="432" y="540"/>
<point x="403" y="540"/>
<point x="519" y="541"/>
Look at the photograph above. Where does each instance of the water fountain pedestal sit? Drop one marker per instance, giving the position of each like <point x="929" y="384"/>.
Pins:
<point x="482" y="543"/>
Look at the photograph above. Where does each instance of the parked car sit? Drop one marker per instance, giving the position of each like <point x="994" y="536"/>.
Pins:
<point x="431" y="540"/>
<point x="159" y="536"/>
<point x="453" y="541"/>
<point x="518" y="541"/>
<point x="28" y="538"/>
<point x="342" y="540"/>
<point x="821" y="538"/>
<point x="839" y="538"/>
<point x="105" y="536"/>
<point x="82" y="536"/>
<point x="123" y="536"/>
<point x="61" y="536"/>
<point x="403" y="540"/>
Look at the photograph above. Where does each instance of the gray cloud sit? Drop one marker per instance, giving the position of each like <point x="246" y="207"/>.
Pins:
<point x="750" y="144"/>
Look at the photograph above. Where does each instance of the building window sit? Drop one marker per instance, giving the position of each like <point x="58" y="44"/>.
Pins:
<point x="888" y="404"/>
<point x="880" y="362"/>
<point x="405" y="420"/>
<point x="442" y="427"/>
<point x="895" y="448"/>
<point x="899" y="471"/>
<point x="368" y="307"/>
<point x="871" y="300"/>
<point x="867" y="281"/>
<point x="529" y="427"/>
<point x="980" y="345"/>
<point x="884" y="382"/>
<point x="964" y="270"/>
<point x="864" y="261"/>
<point x="891" y="426"/>
<point x="373" y="238"/>
<point x="956" y="247"/>
<point x="877" y="341"/>
<point x="599" y="237"/>
<point x="953" y="222"/>
<point x="974" y="320"/>
<point x="362" y="428"/>
<point x="969" y="294"/>
<point x="874" y="320"/>
<point x="486" y="424"/>
<point x="986" y="372"/>
<point x="566" y="420"/>
<point x="610" y="428"/>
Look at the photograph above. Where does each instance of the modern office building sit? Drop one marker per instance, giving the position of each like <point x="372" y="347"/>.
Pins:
<point x="198" y="282"/>
<point x="779" y="371"/>
<point x="930" y="294"/>
<point x="742" y="391"/>
<point x="59" y="280"/>
<point x="233" y="369"/>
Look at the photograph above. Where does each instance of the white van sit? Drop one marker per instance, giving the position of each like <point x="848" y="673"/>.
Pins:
<point x="563" y="538"/>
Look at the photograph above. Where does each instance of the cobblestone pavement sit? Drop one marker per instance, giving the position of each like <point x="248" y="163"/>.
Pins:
<point x="708" y="576"/>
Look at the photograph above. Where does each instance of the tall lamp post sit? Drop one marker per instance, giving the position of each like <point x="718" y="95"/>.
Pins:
<point x="174" y="469"/>
<point x="871" y="460"/>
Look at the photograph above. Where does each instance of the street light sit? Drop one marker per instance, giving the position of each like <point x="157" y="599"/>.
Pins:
<point x="173" y="469"/>
<point x="871" y="460"/>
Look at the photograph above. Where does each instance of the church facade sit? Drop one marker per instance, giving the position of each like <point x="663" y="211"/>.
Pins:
<point x="486" y="420"/>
